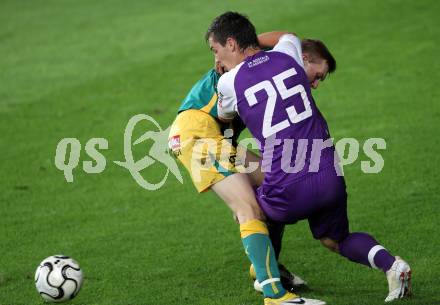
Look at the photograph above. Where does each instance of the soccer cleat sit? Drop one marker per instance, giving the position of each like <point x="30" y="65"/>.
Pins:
<point x="399" y="280"/>
<point x="288" y="279"/>
<point x="291" y="298"/>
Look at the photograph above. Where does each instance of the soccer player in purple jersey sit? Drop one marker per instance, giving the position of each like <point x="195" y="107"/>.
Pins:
<point x="271" y="91"/>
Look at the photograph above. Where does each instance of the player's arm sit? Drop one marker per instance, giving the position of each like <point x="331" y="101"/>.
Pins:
<point x="270" y="39"/>
<point x="290" y="44"/>
<point x="227" y="101"/>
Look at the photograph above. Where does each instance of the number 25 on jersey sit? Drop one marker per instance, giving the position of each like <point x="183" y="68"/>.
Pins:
<point x="285" y="93"/>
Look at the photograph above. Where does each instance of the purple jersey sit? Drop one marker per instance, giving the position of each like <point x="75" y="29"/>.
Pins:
<point x="271" y="93"/>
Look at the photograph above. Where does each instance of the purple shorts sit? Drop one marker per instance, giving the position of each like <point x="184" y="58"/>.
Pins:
<point x="320" y="198"/>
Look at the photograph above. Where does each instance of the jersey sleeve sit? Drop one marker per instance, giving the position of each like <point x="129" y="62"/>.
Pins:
<point x="227" y="100"/>
<point x="291" y="45"/>
<point x="203" y="95"/>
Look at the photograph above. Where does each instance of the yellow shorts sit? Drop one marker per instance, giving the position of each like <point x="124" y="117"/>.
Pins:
<point x="197" y="142"/>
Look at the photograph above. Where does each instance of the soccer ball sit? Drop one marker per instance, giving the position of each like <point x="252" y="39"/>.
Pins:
<point x="58" y="278"/>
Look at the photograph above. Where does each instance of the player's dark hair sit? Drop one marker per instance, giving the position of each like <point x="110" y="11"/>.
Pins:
<point x="233" y="25"/>
<point x="316" y="49"/>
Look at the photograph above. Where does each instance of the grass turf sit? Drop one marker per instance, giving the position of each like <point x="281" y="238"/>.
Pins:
<point x="83" y="68"/>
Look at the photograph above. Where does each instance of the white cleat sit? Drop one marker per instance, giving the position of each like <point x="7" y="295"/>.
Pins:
<point x="313" y="302"/>
<point x="295" y="281"/>
<point x="291" y="298"/>
<point x="399" y="280"/>
<point x="289" y="280"/>
<point x="257" y="286"/>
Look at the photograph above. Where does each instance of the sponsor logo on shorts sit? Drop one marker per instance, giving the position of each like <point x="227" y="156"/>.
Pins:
<point x="174" y="145"/>
<point x="174" y="142"/>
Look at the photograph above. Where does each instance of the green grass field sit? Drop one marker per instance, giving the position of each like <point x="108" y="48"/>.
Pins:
<point x="83" y="68"/>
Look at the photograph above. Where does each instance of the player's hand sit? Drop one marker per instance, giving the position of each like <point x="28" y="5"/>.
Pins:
<point x="219" y="68"/>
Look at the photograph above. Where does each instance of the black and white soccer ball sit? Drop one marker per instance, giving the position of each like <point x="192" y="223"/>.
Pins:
<point x="58" y="278"/>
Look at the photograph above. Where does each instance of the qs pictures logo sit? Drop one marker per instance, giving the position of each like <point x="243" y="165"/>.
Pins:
<point x="69" y="149"/>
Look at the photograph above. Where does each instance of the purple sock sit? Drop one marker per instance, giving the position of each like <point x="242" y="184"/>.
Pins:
<point x="364" y="249"/>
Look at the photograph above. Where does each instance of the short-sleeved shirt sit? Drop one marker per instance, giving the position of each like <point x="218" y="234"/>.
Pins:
<point x="203" y="95"/>
<point x="271" y="93"/>
<point x="288" y="44"/>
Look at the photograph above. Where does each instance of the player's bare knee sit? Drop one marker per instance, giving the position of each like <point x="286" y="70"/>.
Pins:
<point x="330" y="244"/>
<point x="246" y="212"/>
<point x="236" y="192"/>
